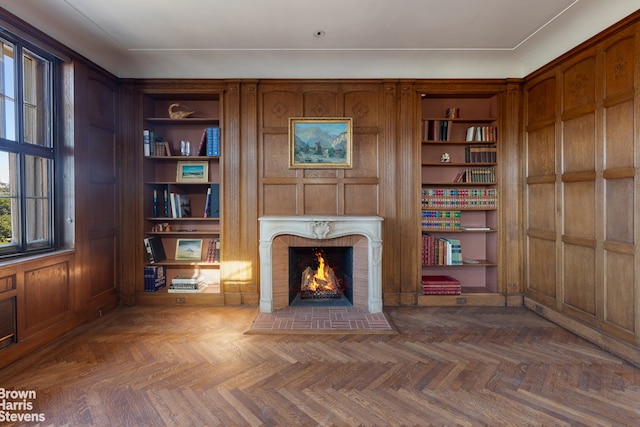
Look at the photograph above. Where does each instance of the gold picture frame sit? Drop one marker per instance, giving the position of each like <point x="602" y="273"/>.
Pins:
<point x="320" y="143"/>
<point x="188" y="250"/>
<point x="189" y="171"/>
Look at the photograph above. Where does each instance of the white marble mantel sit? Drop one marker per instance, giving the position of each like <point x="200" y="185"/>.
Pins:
<point x="321" y="227"/>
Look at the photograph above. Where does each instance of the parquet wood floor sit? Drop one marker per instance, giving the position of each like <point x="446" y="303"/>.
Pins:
<point x="195" y="366"/>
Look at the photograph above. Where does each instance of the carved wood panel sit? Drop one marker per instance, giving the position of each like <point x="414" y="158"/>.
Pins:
<point x="285" y="191"/>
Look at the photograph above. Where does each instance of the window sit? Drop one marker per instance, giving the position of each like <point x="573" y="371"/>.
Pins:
<point x="27" y="155"/>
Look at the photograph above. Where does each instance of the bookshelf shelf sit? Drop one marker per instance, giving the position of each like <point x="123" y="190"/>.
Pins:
<point x="449" y="164"/>
<point x="184" y="158"/>
<point x="179" y="122"/>
<point x="160" y="218"/>
<point x="460" y="219"/>
<point x="181" y="192"/>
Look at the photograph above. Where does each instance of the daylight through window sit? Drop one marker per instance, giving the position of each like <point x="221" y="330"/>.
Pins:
<point x="27" y="153"/>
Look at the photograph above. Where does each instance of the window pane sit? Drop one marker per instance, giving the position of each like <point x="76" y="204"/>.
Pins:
<point x="38" y="201"/>
<point x="9" y="206"/>
<point x="7" y="92"/>
<point x="36" y="99"/>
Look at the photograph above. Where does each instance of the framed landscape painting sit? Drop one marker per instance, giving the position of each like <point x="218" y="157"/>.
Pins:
<point x="320" y="143"/>
<point x="188" y="249"/>
<point x="192" y="172"/>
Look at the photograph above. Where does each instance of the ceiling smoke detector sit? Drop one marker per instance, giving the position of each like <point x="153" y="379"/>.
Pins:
<point x="319" y="34"/>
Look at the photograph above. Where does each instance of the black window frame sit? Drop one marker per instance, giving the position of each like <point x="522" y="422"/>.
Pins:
<point x="22" y="149"/>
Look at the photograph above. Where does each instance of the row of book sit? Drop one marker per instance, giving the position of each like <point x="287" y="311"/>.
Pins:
<point x="441" y="250"/>
<point x="168" y="204"/>
<point x="155" y="146"/>
<point x="478" y="175"/>
<point x="482" y="133"/>
<point x="440" y="285"/>
<point x="441" y="130"/>
<point x="441" y="220"/>
<point x="459" y="198"/>
<point x="437" y="130"/>
<point x="480" y="153"/>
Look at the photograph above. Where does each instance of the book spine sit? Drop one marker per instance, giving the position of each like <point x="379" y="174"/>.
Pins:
<point x="207" y="204"/>
<point x="155" y="203"/>
<point x="166" y="203"/>
<point x="213" y="141"/>
<point x="214" y="206"/>
<point x="216" y="257"/>
<point x="149" y="249"/>
<point x="146" y="140"/>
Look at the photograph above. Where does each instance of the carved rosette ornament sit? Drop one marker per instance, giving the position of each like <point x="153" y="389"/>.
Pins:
<point x="320" y="229"/>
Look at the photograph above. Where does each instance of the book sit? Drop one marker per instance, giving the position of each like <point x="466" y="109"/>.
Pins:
<point x="146" y="140"/>
<point x="207" y="204"/>
<point x="213" y="201"/>
<point x="154" y="278"/>
<point x="167" y="149"/>
<point x="187" y="289"/>
<point x="213" y="141"/>
<point x="155" y="203"/>
<point x="175" y="209"/>
<point x="216" y="256"/>
<point x="184" y="206"/>
<point x="155" y="249"/>
<point x="185" y="279"/>
<point x="167" y="206"/>
<point x="202" y="146"/>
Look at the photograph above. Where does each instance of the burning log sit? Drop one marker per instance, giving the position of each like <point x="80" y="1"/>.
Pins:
<point x="321" y="282"/>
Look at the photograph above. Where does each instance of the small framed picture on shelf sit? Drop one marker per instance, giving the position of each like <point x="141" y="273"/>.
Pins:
<point x="188" y="250"/>
<point x="320" y="143"/>
<point x="192" y="171"/>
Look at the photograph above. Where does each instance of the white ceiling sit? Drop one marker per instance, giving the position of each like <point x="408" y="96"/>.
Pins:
<point x="362" y="38"/>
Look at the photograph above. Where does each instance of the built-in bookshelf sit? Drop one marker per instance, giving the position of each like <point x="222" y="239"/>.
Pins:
<point x="460" y="143"/>
<point x="181" y="145"/>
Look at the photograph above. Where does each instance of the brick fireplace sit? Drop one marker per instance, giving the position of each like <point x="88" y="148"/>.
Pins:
<point x="362" y="233"/>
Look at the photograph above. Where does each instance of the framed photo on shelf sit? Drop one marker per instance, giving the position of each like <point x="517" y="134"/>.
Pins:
<point x="188" y="250"/>
<point x="316" y="143"/>
<point x="192" y="171"/>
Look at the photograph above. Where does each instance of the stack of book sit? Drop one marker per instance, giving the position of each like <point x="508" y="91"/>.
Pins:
<point x="154" y="278"/>
<point x="441" y="251"/>
<point x="441" y="220"/>
<point x="183" y="283"/>
<point x="440" y="285"/>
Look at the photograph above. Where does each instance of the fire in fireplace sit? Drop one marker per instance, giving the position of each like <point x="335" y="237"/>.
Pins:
<point x="320" y="276"/>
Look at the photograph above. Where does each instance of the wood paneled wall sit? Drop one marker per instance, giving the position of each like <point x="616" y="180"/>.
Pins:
<point x="581" y="197"/>
<point x="53" y="293"/>
<point x="355" y="191"/>
<point x="368" y="188"/>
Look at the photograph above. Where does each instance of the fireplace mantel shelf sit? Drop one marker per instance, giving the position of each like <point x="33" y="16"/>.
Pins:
<point x="321" y="227"/>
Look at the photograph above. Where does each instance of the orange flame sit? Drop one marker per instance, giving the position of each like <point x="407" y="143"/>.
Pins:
<point x="323" y="279"/>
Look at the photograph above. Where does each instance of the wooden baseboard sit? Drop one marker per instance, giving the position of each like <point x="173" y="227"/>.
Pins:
<point x="623" y="350"/>
<point x="491" y="299"/>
